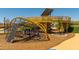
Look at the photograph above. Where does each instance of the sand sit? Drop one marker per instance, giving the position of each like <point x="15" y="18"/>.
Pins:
<point x="71" y="44"/>
<point x="1" y="30"/>
<point x="55" y="40"/>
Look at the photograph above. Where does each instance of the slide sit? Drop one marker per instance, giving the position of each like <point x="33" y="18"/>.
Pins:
<point x="47" y="12"/>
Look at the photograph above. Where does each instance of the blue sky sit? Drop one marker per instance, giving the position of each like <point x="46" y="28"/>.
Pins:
<point x="72" y="12"/>
<point x="31" y="12"/>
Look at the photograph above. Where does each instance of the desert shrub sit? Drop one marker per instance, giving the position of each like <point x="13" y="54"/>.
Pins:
<point x="75" y="29"/>
<point x="70" y="29"/>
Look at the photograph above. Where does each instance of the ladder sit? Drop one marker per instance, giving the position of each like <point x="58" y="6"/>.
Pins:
<point x="11" y="34"/>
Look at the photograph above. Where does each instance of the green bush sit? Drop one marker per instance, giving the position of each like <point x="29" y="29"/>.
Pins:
<point x="73" y="29"/>
<point x="76" y="29"/>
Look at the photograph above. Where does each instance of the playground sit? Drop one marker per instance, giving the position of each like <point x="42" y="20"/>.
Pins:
<point x="37" y="33"/>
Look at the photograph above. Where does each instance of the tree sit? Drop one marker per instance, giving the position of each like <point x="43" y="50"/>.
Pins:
<point x="66" y="24"/>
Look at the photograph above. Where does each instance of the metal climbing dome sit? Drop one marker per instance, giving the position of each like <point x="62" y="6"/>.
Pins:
<point x="24" y="27"/>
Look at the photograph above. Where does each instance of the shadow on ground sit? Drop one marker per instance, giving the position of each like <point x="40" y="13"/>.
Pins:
<point x="58" y="39"/>
<point x="34" y="44"/>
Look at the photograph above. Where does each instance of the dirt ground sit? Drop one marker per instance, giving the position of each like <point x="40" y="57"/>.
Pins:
<point x="55" y="40"/>
<point x="71" y="44"/>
